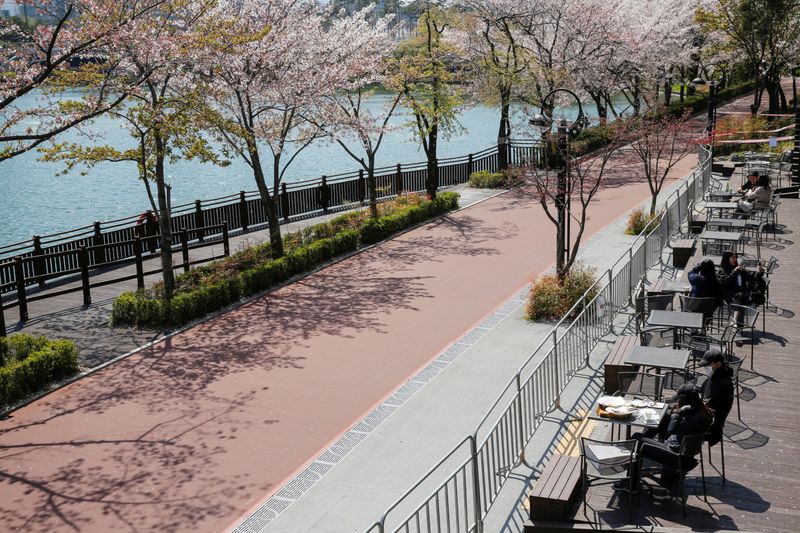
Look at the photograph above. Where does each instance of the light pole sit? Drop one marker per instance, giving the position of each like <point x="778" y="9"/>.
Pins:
<point x="796" y="150"/>
<point x="563" y="132"/>
<point x="711" y="121"/>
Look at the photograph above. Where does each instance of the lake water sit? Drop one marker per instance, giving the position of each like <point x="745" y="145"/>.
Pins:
<point x="33" y="200"/>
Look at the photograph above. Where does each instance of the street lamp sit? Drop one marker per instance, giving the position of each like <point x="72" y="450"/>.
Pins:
<point x="796" y="149"/>
<point x="544" y="123"/>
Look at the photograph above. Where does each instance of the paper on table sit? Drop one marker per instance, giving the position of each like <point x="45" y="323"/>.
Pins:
<point x="649" y="415"/>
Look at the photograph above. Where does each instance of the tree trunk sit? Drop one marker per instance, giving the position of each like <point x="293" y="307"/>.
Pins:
<point x="432" y="181"/>
<point x="636" y="98"/>
<point x="164" y="222"/>
<point x="504" y="131"/>
<point x="268" y="201"/>
<point x="600" y="104"/>
<point x="372" y="185"/>
<point x="667" y="92"/>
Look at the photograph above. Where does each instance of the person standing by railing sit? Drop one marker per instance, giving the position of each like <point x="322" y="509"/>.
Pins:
<point x="147" y="229"/>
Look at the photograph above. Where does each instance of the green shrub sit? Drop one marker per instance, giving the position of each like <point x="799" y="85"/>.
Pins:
<point x="483" y="179"/>
<point x="46" y="362"/>
<point x="638" y="221"/>
<point x="551" y="300"/>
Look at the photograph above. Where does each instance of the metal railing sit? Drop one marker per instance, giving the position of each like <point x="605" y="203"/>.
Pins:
<point x="245" y="211"/>
<point x="485" y="459"/>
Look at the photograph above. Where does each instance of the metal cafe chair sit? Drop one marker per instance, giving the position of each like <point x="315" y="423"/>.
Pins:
<point x="691" y="447"/>
<point x="643" y="305"/>
<point x="745" y="318"/>
<point x="605" y="463"/>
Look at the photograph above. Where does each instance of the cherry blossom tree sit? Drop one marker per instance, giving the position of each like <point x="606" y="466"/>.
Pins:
<point x="496" y="46"/>
<point x="71" y="48"/>
<point x="574" y="180"/>
<point x="425" y="69"/>
<point x="346" y="113"/>
<point x="659" y="142"/>
<point x="269" y="78"/>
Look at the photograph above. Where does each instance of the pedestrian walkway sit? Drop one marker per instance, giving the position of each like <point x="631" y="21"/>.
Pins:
<point x="66" y="316"/>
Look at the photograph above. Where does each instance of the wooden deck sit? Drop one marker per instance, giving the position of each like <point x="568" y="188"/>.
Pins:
<point x="762" y="450"/>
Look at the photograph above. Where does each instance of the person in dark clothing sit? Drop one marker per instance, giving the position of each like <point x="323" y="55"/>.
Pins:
<point x="750" y="183"/>
<point x="688" y="416"/>
<point x="720" y="391"/>
<point x="739" y="285"/>
<point x="704" y="283"/>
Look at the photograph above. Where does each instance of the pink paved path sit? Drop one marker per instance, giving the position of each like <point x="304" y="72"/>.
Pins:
<point x="189" y="434"/>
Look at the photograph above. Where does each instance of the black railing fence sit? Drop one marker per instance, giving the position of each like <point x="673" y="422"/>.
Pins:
<point x="45" y="257"/>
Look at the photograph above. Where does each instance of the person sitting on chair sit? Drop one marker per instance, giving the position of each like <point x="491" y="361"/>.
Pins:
<point x="687" y="417"/>
<point x="750" y="183"/>
<point x="758" y="198"/>
<point x="719" y="391"/>
<point x="704" y="283"/>
<point x="739" y="285"/>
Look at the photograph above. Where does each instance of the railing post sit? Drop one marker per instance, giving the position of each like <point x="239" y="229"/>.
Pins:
<point x="520" y="419"/>
<point x="324" y="194"/>
<point x="22" y="298"/>
<point x="137" y="250"/>
<point x="243" y="215"/>
<point x="38" y="262"/>
<point x="99" y="245"/>
<point x="610" y="303"/>
<point x="558" y="377"/>
<point x="398" y="180"/>
<point x="83" y="259"/>
<point x="362" y="186"/>
<point x="476" y="486"/>
<point x="199" y="220"/>
<point x="185" y="249"/>
<point x="470" y="166"/>
<point x="2" y="322"/>
<point x="226" y="247"/>
<point x="284" y="202"/>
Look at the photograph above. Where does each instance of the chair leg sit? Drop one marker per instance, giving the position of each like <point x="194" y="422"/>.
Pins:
<point x="703" y="476"/>
<point x="738" y="402"/>
<point x="722" y="455"/>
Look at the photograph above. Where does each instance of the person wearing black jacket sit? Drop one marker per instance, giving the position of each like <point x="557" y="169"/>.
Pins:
<point x="720" y="391"/>
<point x="689" y="416"/>
<point x="739" y="285"/>
<point x="704" y="283"/>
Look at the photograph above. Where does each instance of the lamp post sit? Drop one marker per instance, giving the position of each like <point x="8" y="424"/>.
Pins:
<point x="796" y="149"/>
<point x="564" y="131"/>
<point x="711" y="121"/>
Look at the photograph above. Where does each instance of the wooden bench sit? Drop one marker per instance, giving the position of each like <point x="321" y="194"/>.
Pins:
<point x="556" y="489"/>
<point x="682" y="250"/>
<point x="615" y="361"/>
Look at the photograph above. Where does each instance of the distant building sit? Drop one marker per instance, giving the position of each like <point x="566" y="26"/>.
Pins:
<point x="9" y="8"/>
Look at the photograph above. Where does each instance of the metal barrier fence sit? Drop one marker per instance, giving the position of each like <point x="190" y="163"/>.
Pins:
<point x="112" y="241"/>
<point x="475" y="470"/>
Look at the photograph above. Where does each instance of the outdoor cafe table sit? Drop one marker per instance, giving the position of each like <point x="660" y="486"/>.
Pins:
<point x="662" y="285"/>
<point x="710" y="207"/>
<point x="732" y="223"/>
<point x="675" y="320"/>
<point x="658" y="358"/>
<point x="637" y="421"/>
<point x="721" y="196"/>
<point x="731" y="238"/>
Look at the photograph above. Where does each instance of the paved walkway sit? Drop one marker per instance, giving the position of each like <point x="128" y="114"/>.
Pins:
<point x="191" y="432"/>
<point x="88" y="326"/>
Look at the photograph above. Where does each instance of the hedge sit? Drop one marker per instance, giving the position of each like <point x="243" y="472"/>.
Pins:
<point x="32" y="363"/>
<point x="141" y="310"/>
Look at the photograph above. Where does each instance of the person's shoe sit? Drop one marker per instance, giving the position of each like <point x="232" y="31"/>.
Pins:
<point x="622" y="484"/>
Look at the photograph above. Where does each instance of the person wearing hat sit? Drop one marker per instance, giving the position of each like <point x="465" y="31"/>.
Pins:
<point x="720" y="390"/>
<point x="750" y="183"/>
<point x="688" y="416"/>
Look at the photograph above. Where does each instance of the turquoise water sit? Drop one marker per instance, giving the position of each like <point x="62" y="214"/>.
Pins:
<point x="33" y="200"/>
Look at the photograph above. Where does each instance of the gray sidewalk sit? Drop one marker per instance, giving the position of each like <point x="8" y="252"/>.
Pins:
<point x="349" y="486"/>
